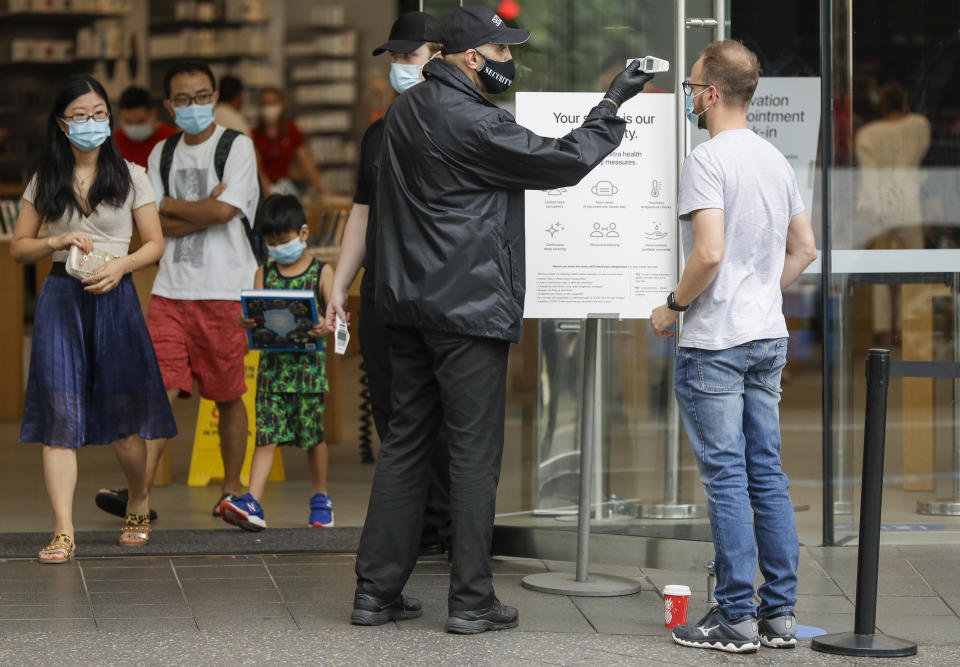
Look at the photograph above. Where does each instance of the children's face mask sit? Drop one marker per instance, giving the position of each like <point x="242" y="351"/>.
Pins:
<point x="287" y="253"/>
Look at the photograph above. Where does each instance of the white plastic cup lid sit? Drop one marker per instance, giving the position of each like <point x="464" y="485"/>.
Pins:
<point x="676" y="589"/>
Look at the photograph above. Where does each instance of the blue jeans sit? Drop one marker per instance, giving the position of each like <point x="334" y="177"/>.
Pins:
<point x="729" y="401"/>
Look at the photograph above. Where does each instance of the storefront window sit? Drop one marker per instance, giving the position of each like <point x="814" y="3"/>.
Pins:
<point x="895" y="232"/>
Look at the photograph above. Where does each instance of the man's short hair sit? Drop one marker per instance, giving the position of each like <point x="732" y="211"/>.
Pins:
<point x="230" y="88"/>
<point x="892" y="98"/>
<point x="188" y="67"/>
<point x="733" y="69"/>
<point x="434" y="47"/>
<point x="135" y="97"/>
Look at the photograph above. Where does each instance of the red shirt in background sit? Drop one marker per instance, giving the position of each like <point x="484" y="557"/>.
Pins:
<point x="138" y="151"/>
<point x="277" y="153"/>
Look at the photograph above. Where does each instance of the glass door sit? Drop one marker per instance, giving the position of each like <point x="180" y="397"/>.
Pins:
<point x="895" y="239"/>
<point x="646" y="483"/>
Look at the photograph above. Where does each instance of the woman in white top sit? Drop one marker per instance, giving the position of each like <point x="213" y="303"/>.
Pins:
<point x="93" y="374"/>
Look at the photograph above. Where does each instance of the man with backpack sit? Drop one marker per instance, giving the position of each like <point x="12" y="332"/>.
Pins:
<point x="205" y="179"/>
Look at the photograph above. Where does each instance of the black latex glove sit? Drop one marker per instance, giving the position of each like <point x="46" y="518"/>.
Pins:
<point x="627" y="83"/>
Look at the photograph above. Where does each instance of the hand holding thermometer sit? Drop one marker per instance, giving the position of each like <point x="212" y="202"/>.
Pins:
<point x="341" y="337"/>
<point x="651" y="65"/>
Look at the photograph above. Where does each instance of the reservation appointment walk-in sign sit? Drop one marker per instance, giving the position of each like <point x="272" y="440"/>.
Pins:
<point x="608" y="244"/>
<point x="786" y="112"/>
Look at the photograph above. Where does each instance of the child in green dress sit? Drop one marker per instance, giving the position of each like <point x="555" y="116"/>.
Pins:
<point x="290" y="385"/>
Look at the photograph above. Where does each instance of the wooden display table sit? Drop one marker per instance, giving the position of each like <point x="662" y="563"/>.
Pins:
<point x="11" y="336"/>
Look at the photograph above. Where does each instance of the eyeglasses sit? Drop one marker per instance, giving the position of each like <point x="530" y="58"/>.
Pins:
<point x="79" y="117"/>
<point x="203" y="97"/>
<point x="688" y="86"/>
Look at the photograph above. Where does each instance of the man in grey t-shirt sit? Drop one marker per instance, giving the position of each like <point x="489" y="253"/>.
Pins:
<point x="746" y="236"/>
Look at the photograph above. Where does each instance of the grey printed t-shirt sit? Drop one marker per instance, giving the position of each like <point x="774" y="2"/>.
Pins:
<point x="755" y="187"/>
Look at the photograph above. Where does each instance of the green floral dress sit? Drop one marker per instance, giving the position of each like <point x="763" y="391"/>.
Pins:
<point x="290" y="385"/>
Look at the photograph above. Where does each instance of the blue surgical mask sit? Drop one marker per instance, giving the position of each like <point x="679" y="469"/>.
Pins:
<point x="195" y="118"/>
<point x="287" y="253"/>
<point x="692" y="116"/>
<point x="88" y="134"/>
<point x="404" y="77"/>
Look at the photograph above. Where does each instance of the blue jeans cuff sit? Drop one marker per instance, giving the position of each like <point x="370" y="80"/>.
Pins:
<point x="776" y="611"/>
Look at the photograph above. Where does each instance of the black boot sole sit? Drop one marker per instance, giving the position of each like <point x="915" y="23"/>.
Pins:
<point x="461" y="626"/>
<point x="116" y="504"/>
<point x="366" y="617"/>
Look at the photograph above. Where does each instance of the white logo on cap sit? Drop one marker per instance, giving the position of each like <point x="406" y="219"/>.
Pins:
<point x="497" y="21"/>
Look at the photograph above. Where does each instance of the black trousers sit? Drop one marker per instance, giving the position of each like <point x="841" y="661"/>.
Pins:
<point x="453" y="386"/>
<point x="375" y="349"/>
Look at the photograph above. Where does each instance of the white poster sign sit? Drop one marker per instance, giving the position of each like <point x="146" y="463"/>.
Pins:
<point x="607" y="245"/>
<point x="786" y="112"/>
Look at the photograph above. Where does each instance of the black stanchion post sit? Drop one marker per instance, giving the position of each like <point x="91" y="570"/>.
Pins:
<point x="863" y="641"/>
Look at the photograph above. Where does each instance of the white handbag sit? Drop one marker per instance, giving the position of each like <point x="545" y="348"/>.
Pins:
<point x="80" y="265"/>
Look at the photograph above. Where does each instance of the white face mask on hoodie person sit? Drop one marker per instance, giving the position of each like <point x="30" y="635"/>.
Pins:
<point x="271" y="112"/>
<point x="138" y="131"/>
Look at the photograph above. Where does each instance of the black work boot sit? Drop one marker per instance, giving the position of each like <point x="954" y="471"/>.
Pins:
<point x="368" y="610"/>
<point x="497" y="616"/>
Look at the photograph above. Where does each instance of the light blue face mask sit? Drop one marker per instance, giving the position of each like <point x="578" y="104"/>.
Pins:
<point x="692" y="116"/>
<point x="287" y="253"/>
<point x="404" y="77"/>
<point x="195" y="118"/>
<point x="88" y="134"/>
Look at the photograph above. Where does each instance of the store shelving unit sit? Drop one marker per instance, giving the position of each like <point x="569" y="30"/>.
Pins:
<point x="323" y="91"/>
<point x="230" y="35"/>
<point x="39" y="49"/>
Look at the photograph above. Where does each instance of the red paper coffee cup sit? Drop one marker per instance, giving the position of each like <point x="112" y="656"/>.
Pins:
<point x="676" y="599"/>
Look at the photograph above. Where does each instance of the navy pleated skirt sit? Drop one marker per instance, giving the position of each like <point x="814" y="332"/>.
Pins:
<point x="94" y="377"/>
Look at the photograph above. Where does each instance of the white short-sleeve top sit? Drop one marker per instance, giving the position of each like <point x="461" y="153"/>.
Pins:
<point x="109" y="226"/>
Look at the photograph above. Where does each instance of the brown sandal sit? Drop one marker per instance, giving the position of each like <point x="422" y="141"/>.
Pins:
<point x="61" y="546"/>
<point x="135" y="531"/>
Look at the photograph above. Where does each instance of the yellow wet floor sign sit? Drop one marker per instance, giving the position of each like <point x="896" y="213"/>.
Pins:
<point x="205" y="463"/>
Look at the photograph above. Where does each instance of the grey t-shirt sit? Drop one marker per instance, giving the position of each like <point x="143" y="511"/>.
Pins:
<point x="753" y="184"/>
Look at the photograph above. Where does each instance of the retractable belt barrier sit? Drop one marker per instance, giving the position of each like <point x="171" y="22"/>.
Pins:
<point x="864" y="641"/>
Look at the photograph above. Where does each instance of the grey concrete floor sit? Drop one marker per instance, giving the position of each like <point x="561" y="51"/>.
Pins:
<point x="295" y="609"/>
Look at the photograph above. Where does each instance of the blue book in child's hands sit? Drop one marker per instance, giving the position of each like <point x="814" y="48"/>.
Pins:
<point x="283" y="319"/>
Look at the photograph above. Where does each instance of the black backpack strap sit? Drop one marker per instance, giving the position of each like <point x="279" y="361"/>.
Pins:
<point x="220" y="156"/>
<point x="166" y="160"/>
<point x="223" y="151"/>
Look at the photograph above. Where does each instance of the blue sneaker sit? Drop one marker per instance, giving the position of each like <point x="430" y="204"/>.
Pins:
<point x="243" y="511"/>
<point x="321" y="511"/>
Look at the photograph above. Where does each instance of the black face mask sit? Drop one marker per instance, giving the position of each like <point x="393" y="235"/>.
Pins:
<point x="496" y="76"/>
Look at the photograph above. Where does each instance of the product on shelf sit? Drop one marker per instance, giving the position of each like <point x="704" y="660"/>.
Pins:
<point x="325" y="70"/>
<point x="327" y="16"/>
<point x="209" y="43"/>
<point x="338" y="44"/>
<point x="324" y="121"/>
<point x="22" y="49"/>
<point x="326" y="93"/>
<point x="67" y="6"/>
<point x="9" y="210"/>
<point x="333" y="150"/>
<point x="108" y="38"/>
<point x="339" y="179"/>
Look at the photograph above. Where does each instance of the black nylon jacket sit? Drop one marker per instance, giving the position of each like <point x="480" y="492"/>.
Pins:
<point x="450" y="216"/>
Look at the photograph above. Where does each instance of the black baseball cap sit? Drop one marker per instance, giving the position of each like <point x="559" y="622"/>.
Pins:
<point x="409" y="31"/>
<point x="470" y="27"/>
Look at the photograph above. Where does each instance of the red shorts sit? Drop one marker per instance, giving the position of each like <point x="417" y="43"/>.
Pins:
<point x="199" y="340"/>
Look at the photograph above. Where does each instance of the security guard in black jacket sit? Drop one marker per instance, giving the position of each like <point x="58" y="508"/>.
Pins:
<point x="450" y="284"/>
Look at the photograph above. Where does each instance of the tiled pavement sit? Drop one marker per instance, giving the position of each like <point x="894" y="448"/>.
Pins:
<point x="295" y="609"/>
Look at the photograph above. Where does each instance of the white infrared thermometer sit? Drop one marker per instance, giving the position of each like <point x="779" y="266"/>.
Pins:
<point x="651" y="65"/>
<point x="341" y="337"/>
